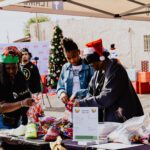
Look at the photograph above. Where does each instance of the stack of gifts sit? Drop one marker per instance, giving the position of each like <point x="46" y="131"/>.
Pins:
<point x="143" y="78"/>
<point x="144" y="82"/>
<point x="140" y="80"/>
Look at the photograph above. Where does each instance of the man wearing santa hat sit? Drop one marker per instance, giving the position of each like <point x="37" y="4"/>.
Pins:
<point x="110" y="87"/>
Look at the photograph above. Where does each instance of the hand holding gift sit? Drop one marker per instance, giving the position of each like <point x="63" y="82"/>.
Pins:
<point x="27" y="102"/>
<point x="64" y="98"/>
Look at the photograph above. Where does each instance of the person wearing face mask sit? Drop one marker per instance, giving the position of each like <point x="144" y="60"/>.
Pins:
<point x="14" y="93"/>
<point x="110" y="88"/>
<point x="75" y="75"/>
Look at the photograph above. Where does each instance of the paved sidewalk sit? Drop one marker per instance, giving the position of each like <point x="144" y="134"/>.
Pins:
<point x="57" y="109"/>
<point x="145" y="101"/>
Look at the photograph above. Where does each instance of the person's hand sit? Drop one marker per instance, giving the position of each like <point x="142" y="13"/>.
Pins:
<point x="120" y="114"/>
<point x="74" y="101"/>
<point x="27" y="102"/>
<point x="64" y="98"/>
<point x="76" y="104"/>
<point x="72" y="98"/>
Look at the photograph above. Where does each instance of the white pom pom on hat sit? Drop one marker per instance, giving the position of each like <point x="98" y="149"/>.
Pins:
<point x="101" y="58"/>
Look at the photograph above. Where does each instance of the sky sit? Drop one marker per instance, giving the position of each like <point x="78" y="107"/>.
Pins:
<point x="12" y="24"/>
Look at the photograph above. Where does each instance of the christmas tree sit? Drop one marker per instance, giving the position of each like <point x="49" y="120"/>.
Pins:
<point x="56" y="58"/>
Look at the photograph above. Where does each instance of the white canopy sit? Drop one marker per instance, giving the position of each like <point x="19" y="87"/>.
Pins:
<point x="125" y="9"/>
<point x="4" y="3"/>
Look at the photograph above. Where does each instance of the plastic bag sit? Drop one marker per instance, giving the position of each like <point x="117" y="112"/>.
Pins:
<point x="20" y="131"/>
<point x="36" y="110"/>
<point x="52" y="133"/>
<point x="31" y="131"/>
<point x="139" y="126"/>
<point x="106" y="128"/>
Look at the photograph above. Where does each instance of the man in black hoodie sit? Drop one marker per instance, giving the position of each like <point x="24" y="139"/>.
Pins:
<point x="31" y="74"/>
<point x="30" y="71"/>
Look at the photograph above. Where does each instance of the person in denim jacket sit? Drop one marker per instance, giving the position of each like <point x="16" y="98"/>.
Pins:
<point x="75" y="75"/>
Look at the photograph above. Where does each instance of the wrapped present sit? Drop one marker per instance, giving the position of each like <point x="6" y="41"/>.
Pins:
<point x="40" y="132"/>
<point x="143" y="77"/>
<point x="68" y="132"/>
<point x="45" y="128"/>
<point x="145" y="66"/>
<point x="52" y="133"/>
<point x="69" y="106"/>
<point x="144" y="88"/>
<point x="36" y="110"/>
<point x="136" y="139"/>
<point x="47" y="120"/>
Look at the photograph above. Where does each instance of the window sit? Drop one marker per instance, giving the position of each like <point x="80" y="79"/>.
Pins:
<point x="147" y="43"/>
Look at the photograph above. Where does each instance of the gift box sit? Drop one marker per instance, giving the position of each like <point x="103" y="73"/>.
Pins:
<point x="144" y="88"/>
<point x="135" y="85"/>
<point x="145" y="66"/>
<point x="143" y="77"/>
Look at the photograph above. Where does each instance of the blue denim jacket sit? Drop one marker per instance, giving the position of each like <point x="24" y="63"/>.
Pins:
<point x="65" y="83"/>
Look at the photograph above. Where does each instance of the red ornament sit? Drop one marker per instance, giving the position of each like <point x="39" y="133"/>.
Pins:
<point x="69" y="106"/>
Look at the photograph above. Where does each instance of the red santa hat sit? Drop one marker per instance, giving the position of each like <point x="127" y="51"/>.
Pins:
<point x="95" y="46"/>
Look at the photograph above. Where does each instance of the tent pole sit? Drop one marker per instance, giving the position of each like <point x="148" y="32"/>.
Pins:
<point x="37" y="27"/>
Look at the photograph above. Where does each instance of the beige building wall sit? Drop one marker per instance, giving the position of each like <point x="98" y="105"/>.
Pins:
<point x="128" y="36"/>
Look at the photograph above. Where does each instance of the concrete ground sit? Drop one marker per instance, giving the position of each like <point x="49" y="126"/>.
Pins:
<point x="145" y="101"/>
<point x="57" y="108"/>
